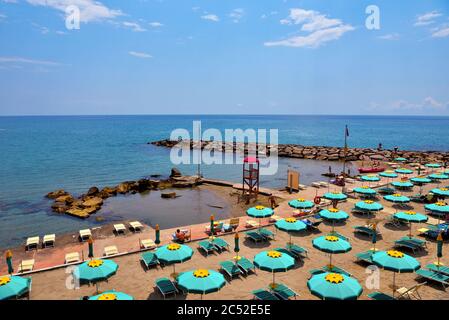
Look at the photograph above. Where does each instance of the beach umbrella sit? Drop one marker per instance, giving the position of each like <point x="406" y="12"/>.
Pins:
<point x="403" y="171"/>
<point x="397" y="198"/>
<point x="438" y="207"/>
<point x="260" y="212"/>
<point x="420" y="180"/>
<point x="90" y="243"/>
<point x="374" y="238"/>
<point x="174" y="253"/>
<point x="212" y="230"/>
<point x="157" y="241"/>
<point x="442" y="192"/>
<point x="301" y="203"/>
<point x="438" y="176"/>
<point x="402" y="184"/>
<point x="365" y="190"/>
<point x="13" y="286"/>
<point x="111" y="295"/>
<point x="335" y="196"/>
<point x="334" y="286"/>
<point x="370" y="178"/>
<point x="400" y="159"/>
<point x="95" y="270"/>
<point x="368" y="205"/>
<point x="201" y="281"/>
<point x="331" y="244"/>
<point x="290" y="225"/>
<point x="8" y="255"/>
<point x="433" y="165"/>
<point x="439" y="249"/>
<point x="333" y="215"/>
<point x="411" y="217"/>
<point x="236" y="246"/>
<point x="274" y="261"/>
<point x="446" y="172"/>
<point x="395" y="261"/>
<point x="388" y="174"/>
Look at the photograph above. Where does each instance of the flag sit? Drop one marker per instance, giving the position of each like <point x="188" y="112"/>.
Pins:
<point x="346" y="131"/>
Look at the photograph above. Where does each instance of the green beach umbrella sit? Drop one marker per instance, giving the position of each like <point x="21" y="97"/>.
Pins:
<point x="174" y="253"/>
<point x="112" y="295"/>
<point x="404" y="171"/>
<point x="402" y="184"/>
<point x="274" y="261"/>
<point x="395" y="261"/>
<point x="201" y="281"/>
<point x="369" y="205"/>
<point x="374" y="238"/>
<point x="397" y="198"/>
<point x="388" y="174"/>
<point x="370" y="178"/>
<point x="90" y="243"/>
<point x="8" y="255"/>
<point x="365" y="190"/>
<point x="157" y="241"/>
<point x="400" y="159"/>
<point x="236" y="246"/>
<point x="411" y="217"/>
<point x="439" y="249"/>
<point x="331" y="244"/>
<point x="433" y="165"/>
<point x="212" y="229"/>
<point x="95" y="271"/>
<point x="13" y="286"/>
<point x="335" y="196"/>
<point x="334" y="286"/>
<point x="333" y="215"/>
<point x="446" y="172"/>
<point x="442" y="192"/>
<point x="438" y="176"/>
<point x="301" y="203"/>
<point x="290" y="225"/>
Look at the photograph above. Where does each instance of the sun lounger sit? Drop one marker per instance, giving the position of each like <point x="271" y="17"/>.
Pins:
<point x="136" y="226"/>
<point x="220" y="244"/>
<point x="231" y="269"/>
<point x="410" y="293"/>
<point x="311" y="225"/>
<point x="218" y="227"/>
<point x="207" y="246"/>
<point x="149" y="259"/>
<point x="255" y="236"/>
<point x="49" y="240"/>
<point x="297" y="250"/>
<point x="302" y="187"/>
<point x="441" y="269"/>
<point x="365" y="230"/>
<point x="336" y="269"/>
<point x="391" y="220"/>
<point x="275" y="218"/>
<point x="72" y="257"/>
<point x="264" y="295"/>
<point x="234" y="223"/>
<point x="147" y="244"/>
<point x="110" y="251"/>
<point x="407" y="244"/>
<point x="283" y="292"/>
<point x="166" y="287"/>
<point x="433" y="276"/>
<point x="386" y="190"/>
<point x="287" y="252"/>
<point x="365" y="256"/>
<point x="119" y="228"/>
<point x="380" y="296"/>
<point x="85" y="234"/>
<point x="32" y="242"/>
<point x="419" y="242"/>
<point x="246" y="265"/>
<point x="316" y="184"/>
<point x="266" y="233"/>
<point x="26" y="265"/>
<point x="251" y="224"/>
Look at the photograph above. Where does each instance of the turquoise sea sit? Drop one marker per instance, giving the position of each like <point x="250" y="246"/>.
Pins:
<point x="41" y="154"/>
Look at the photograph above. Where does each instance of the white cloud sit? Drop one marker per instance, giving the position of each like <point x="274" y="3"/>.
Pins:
<point x="142" y="55"/>
<point x="427" y="18"/>
<point x="22" y="60"/>
<point x="2" y="16"/>
<point x="156" y="24"/>
<point x="237" y="14"/>
<point x="441" y="32"/>
<point x="318" y="29"/>
<point x="428" y="104"/>
<point x="134" y="26"/>
<point x="390" y="36"/>
<point x="90" y="10"/>
<point x="211" y="17"/>
<point x="9" y="1"/>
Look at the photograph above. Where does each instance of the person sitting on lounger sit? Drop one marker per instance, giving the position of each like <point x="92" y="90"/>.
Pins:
<point x="181" y="236"/>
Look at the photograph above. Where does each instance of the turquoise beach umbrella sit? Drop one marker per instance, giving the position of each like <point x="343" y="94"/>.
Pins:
<point x="370" y="177"/>
<point x="443" y="192"/>
<point x="438" y="176"/>
<point x="403" y="171"/>
<point x="301" y="203"/>
<point x="111" y="295"/>
<point x="368" y="205"/>
<point x="402" y="184"/>
<point x="260" y="212"/>
<point x="201" y="281"/>
<point x="365" y="190"/>
<point x="331" y="244"/>
<point x="95" y="270"/>
<point x="13" y="286"/>
<point x="274" y="261"/>
<point x="439" y="207"/>
<point x="174" y="253"/>
<point x="395" y="261"/>
<point x="290" y="225"/>
<point x="335" y="196"/>
<point x="420" y="180"/>
<point x="334" y="286"/>
<point x="388" y="174"/>
<point x="411" y="217"/>
<point x="446" y="172"/>
<point x="433" y="165"/>
<point x="400" y="159"/>
<point x="397" y="198"/>
<point x="334" y="215"/>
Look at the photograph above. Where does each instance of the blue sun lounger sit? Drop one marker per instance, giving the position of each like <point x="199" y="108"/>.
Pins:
<point x="255" y="236"/>
<point x="166" y="287"/>
<point x="297" y="250"/>
<point x="366" y="256"/>
<point x="365" y="230"/>
<point x="266" y="234"/>
<point x="408" y="244"/>
<point x="220" y="244"/>
<point x="442" y="269"/>
<point x="434" y="276"/>
<point x="246" y="265"/>
<point x="380" y="296"/>
<point x="207" y="247"/>
<point x="264" y="295"/>
<point x="231" y="269"/>
<point x="283" y="292"/>
<point x="149" y="259"/>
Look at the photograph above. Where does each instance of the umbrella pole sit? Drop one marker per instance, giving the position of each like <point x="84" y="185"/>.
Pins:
<point x="410" y="233"/>
<point x="330" y="262"/>
<point x="394" y="283"/>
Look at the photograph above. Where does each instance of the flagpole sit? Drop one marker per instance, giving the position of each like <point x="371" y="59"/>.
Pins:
<point x="346" y="150"/>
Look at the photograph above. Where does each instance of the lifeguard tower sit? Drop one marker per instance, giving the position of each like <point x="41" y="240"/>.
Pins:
<point x="250" y="185"/>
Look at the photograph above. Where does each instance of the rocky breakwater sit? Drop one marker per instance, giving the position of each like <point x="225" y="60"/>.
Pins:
<point x="310" y="152"/>
<point x="89" y="203"/>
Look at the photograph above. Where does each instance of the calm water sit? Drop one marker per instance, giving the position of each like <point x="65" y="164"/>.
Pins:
<point x="41" y="154"/>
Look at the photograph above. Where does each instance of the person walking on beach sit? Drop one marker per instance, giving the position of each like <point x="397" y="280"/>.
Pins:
<point x="272" y="200"/>
<point x="379" y="148"/>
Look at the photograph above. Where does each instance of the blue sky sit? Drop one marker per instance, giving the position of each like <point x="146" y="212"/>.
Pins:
<point x="224" y="57"/>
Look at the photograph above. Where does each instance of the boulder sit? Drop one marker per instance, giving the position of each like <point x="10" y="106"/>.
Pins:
<point x="56" y="194"/>
<point x="107" y="192"/>
<point x="79" y="213"/>
<point x="59" y="207"/>
<point x="93" y="202"/>
<point x="123" y="188"/>
<point x="68" y="199"/>
<point x="175" y="173"/>
<point x="168" y="195"/>
<point x="93" y="191"/>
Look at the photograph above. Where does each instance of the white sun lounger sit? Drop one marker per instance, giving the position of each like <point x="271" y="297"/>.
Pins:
<point x="147" y="244"/>
<point x="302" y="187"/>
<point x="85" y="234"/>
<point x="324" y="183"/>
<point x="251" y="224"/>
<point x="26" y="265"/>
<point x="49" y="240"/>
<point x="32" y="242"/>
<point x="316" y="185"/>
<point x="275" y="218"/>
<point x="136" y="226"/>
<point x="119" y="228"/>
<point x="110" y="251"/>
<point x="72" y="257"/>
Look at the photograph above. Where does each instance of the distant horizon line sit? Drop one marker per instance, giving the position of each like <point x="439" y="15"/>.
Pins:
<point x="217" y="114"/>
